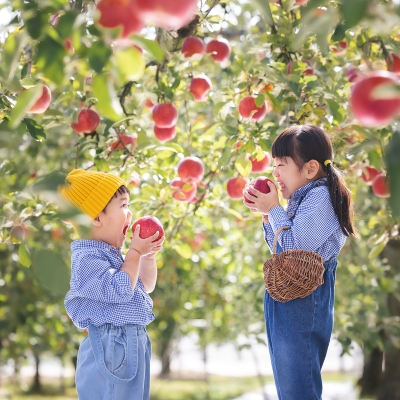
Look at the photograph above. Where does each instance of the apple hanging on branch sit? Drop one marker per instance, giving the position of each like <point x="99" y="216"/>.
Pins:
<point x="235" y="186"/>
<point x="88" y="121"/>
<point x="193" y="46"/>
<point x="248" y="109"/>
<point x="183" y="191"/>
<point x="41" y="104"/>
<point x="371" y="108"/>
<point x="164" y="134"/>
<point x="219" y="49"/>
<point x="261" y="165"/>
<point x="191" y="169"/>
<point x="165" y="115"/>
<point x="199" y="87"/>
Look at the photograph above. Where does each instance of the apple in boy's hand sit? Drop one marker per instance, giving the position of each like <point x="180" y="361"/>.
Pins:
<point x="261" y="184"/>
<point x="149" y="225"/>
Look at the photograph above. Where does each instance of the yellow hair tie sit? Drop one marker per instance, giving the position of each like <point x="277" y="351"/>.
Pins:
<point x="327" y="162"/>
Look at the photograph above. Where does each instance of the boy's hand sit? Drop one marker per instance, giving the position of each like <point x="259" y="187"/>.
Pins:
<point x="262" y="202"/>
<point x="145" y="247"/>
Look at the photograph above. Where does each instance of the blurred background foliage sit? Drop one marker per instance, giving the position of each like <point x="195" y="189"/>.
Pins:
<point x="210" y="271"/>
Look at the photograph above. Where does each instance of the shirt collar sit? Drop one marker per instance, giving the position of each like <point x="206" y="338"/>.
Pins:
<point x="300" y="192"/>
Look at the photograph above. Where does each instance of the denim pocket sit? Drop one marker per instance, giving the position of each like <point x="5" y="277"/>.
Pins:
<point x="116" y="352"/>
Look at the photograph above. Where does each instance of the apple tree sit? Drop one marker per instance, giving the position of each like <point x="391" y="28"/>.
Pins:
<point x="183" y="100"/>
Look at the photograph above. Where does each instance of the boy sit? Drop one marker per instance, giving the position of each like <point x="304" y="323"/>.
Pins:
<point x="108" y="293"/>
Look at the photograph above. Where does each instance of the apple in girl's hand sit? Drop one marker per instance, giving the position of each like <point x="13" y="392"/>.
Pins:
<point x="261" y="184"/>
<point x="149" y="225"/>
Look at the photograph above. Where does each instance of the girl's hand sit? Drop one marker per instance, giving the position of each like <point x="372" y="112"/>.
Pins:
<point x="145" y="247"/>
<point x="262" y="202"/>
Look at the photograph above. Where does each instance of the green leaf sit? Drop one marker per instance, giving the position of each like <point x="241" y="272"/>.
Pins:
<point x="65" y="24"/>
<point x="225" y="156"/>
<point x="49" y="182"/>
<point x="275" y="102"/>
<point x="37" y="24"/>
<point x="130" y="63"/>
<point x="265" y="10"/>
<point x="107" y="101"/>
<point x="243" y="165"/>
<point x="259" y="100"/>
<point x="392" y="152"/>
<point x="183" y="249"/>
<point x="336" y="110"/>
<point x="51" y="272"/>
<point x="339" y="33"/>
<point x="25" y="101"/>
<point x="98" y="55"/>
<point x="23" y="254"/>
<point x="35" y="129"/>
<point x="50" y="59"/>
<point x="353" y="11"/>
<point x="11" y="55"/>
<point x="377" y="250"/>
<point x="151" y="46"/>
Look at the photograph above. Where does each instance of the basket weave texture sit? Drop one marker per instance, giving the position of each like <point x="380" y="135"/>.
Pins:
<point x="292" y="274"/>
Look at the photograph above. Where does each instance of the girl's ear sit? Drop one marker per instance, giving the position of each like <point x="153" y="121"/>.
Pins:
<point x="312" y="169"/>
<point x="96" y="222"/>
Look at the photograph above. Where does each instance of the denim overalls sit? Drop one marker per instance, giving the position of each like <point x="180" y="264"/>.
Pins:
<point x="298" y="334"/>
<point x="108" y="360"/>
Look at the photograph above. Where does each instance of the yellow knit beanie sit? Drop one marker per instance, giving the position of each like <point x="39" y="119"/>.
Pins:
<point x="90" y="191"/>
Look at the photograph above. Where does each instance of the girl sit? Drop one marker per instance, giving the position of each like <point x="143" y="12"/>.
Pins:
<point x="320" y="217"/>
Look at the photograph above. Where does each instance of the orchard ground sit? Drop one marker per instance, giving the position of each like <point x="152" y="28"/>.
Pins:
<point x="250" y="368"/>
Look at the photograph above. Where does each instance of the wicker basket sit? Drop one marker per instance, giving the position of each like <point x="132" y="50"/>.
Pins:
<point x="293" y="273"/>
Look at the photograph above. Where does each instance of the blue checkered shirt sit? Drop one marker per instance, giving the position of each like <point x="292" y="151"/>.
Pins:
<point x="313" y="223"/>
<point x="99" y="292"/>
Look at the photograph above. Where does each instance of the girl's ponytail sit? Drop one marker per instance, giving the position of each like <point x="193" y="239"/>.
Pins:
<point x="308" y="142"/>
<point x="341" y="199"/>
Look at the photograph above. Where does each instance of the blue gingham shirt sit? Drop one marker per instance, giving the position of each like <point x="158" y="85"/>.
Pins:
<point x="99" y="292"/>
<point x="313" y="223"/>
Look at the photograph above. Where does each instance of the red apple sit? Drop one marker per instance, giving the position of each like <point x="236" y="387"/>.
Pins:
<point x="149" y="225"/>
<point x="164" y="134"/>
<point x="246" y="107"/>
<point x="219" y="49"/>
<point x="165" y="115"/>
<point x="301" y="2"/>
<point x="88" y="121"/>
<point x="42" y="104"/>
<point x="183" y="191"/>
<point x="20" y="231"/>
<point x="134" y="180"/>
<point x="114" y="13"/>
<point x="393" y="63"/>
<point x="148" y="103"/>
<point x="369" y="174"/>
<point x="354" y="74"/>
<point x="262" y="165"/>
<point x="308" y="71"/>
<point x="192" y="45"/>
<point x="199" y="87"/>
<point x="261" y="184"/>
<point x="122" y="140"/>
<point x="380" y="186"/>
<point x="235" y="186"/>
<point x="238" y="145"/>
<point x="167" y="14"/>
<point x="372" y="111"/>
<point x="340" y="48"/>
<point x="191" y="169"/>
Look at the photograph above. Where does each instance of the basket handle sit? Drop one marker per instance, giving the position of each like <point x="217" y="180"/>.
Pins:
<point x="276" y="237"/>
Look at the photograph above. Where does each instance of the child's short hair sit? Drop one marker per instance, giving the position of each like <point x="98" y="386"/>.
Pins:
<point x="90" y="191"/>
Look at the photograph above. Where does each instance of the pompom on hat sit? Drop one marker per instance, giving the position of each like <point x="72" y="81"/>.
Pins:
<point x="90" y="191"/>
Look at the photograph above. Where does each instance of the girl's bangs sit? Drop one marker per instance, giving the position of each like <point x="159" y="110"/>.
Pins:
<point x="283" y="146"/>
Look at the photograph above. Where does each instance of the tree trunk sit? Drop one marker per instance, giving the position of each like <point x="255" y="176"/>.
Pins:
<point x="371" y="379"/>
<point x="390" y="389"/>
<point x="37" y="386"/>
<point x="166" y="348"/>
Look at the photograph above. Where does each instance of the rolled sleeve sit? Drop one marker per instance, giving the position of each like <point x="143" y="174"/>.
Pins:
<point x="97" y="280"/>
